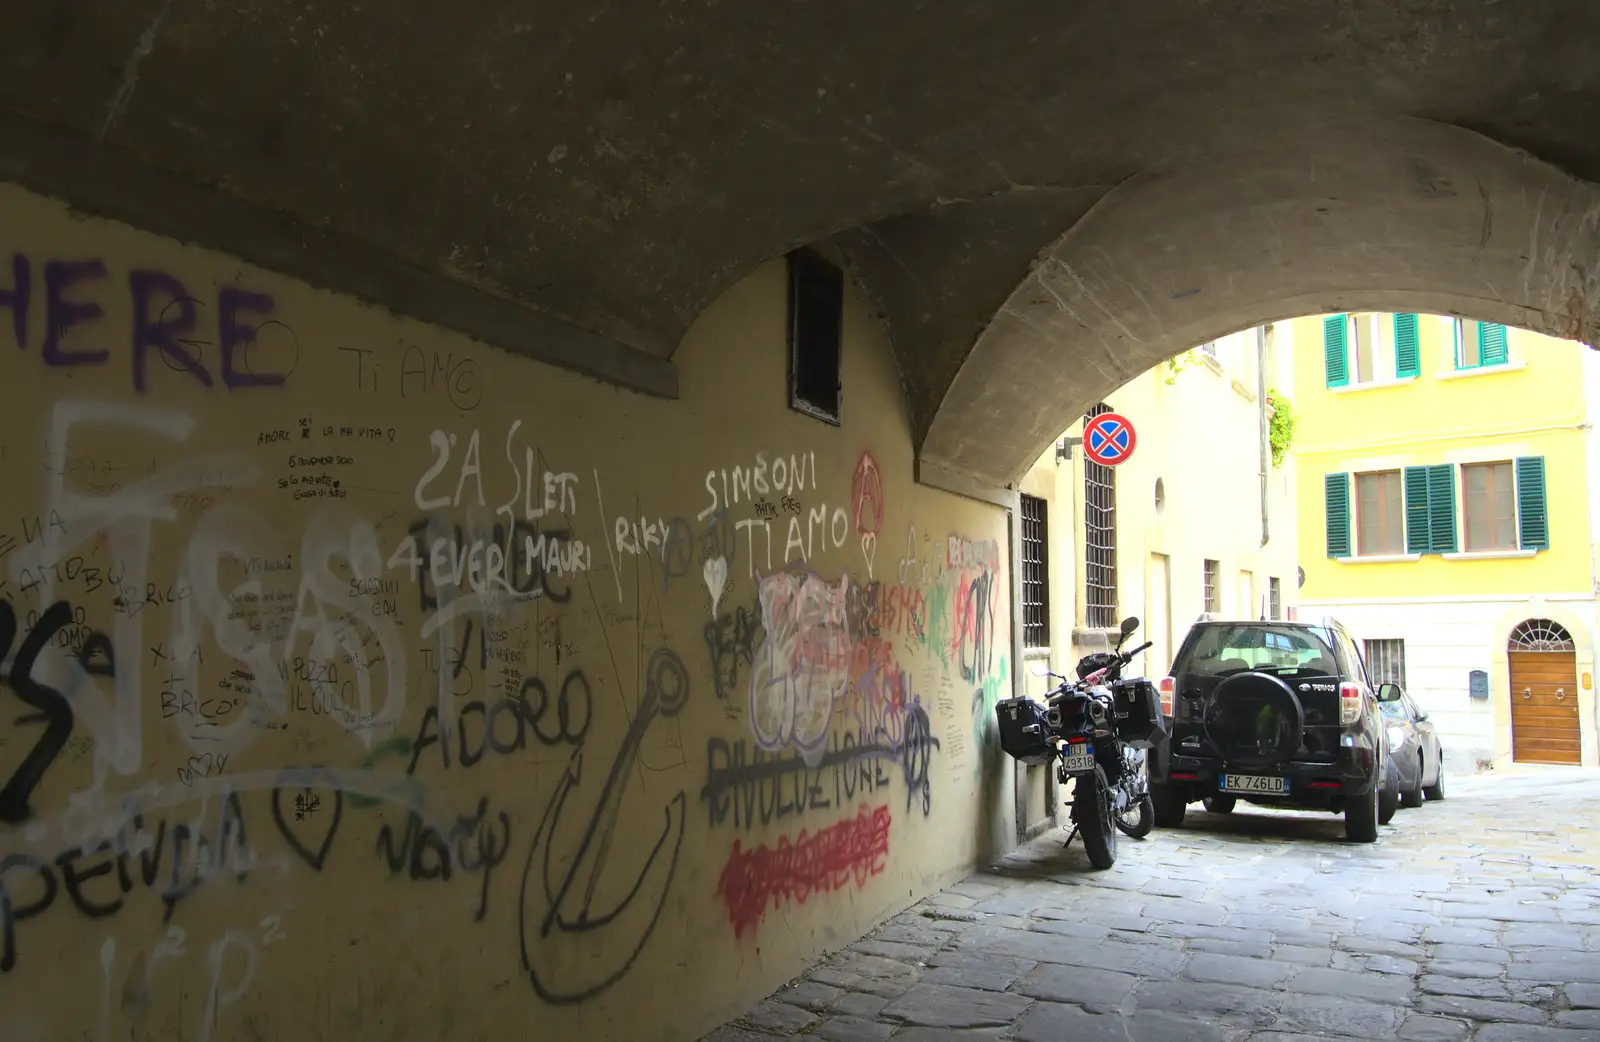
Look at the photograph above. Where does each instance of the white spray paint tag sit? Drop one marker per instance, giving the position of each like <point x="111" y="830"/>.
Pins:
<point x="716" y="573"/>
<point x="869" y="550"/>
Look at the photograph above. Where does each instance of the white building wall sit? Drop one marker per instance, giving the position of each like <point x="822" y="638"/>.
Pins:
<point x="1446" y="638"/>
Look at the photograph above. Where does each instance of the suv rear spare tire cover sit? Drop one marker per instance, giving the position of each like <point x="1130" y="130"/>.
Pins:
<point x="1254" y="719"/>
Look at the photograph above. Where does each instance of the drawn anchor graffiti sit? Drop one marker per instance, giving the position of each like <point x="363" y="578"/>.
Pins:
<point x="596" y="952"/>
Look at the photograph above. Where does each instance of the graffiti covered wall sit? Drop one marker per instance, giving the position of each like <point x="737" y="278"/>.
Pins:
<point x="362" y="681"/>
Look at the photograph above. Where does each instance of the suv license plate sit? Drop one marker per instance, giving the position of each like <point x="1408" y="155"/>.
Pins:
<point x="1076" y="762"/>
<point x="1254" y="783"/>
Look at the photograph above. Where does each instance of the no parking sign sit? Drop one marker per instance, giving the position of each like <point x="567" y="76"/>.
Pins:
<point x="1109" y="439"/>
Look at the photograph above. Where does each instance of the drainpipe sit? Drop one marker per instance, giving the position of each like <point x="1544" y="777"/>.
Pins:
<point x="1266" y="449"/>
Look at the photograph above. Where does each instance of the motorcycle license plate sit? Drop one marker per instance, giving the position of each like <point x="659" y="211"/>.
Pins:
<point x="1254" y="783"/>
<point x="1079" y="758"/>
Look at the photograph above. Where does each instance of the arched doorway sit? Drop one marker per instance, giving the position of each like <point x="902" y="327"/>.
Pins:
<point x="1544" y="693"/>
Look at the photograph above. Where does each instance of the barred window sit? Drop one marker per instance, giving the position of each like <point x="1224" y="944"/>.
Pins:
<point x="1386" y="662"/>
<point x="1035" y="572"/>
<point x="1274" y="598"/>
<point x="1100" y="538"/>
<point x="1212" y="586"/>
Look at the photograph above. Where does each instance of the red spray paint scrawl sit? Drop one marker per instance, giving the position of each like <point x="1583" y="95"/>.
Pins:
<point x="821" y="862"/>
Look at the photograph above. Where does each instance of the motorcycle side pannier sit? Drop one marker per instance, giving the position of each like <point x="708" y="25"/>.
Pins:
<point x="1023" y="734"/>
<point x="1138" y="711"/>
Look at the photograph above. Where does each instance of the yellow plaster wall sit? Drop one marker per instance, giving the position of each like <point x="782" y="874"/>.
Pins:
<point x="429" y="692"/>
<point x="1534" y="406"/>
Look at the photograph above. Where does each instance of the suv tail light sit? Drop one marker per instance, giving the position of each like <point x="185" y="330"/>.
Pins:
<point x="1167" y="686"/>
<point x="1349" y="703"/>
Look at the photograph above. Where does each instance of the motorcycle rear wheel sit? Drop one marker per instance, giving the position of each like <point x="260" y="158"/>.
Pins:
<point x="1142" y="813"/>
<point x="1096" y="818"/>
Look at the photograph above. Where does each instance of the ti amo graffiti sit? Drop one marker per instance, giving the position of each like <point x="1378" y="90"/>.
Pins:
<point x="571" y="949"/>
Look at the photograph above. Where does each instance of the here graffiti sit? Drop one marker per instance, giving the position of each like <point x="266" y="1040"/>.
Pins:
<point x="852" y="850"/>
<point x="165" y="320"/>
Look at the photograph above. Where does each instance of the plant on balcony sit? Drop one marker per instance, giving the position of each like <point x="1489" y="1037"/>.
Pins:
<point x="1280" y="425"/>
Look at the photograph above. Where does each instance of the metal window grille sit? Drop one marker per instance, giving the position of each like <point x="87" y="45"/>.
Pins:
<point x="1212" y="581"/>
<point x="1100" y="538"/>
<point x="1274" y="599"/>
<point x="1035" y="572"/>
<point x="1386" y="661"/>
<point x="1541" y="635"/>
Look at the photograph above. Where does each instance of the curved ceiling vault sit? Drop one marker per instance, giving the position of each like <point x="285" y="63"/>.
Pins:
<point x="1042" y="200"/>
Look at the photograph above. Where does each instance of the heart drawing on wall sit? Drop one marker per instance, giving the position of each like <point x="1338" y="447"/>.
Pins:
<point x="716" y="573"/>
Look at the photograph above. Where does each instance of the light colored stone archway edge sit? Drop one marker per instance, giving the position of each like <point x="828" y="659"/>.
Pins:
<point x="1404" y="215"/>
<point x="1582" y="630"/>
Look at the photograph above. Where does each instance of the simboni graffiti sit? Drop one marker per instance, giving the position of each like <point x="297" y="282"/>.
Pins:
<point x="354" y="634"/>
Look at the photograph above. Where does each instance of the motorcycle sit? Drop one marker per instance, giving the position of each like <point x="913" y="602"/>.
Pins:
<point x="1096" y="729"/>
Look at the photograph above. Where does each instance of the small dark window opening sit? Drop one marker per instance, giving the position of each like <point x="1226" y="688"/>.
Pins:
<point x="1035" y="573"/>
<point x="1100" y="538"/>
<point x="816" y="322"/>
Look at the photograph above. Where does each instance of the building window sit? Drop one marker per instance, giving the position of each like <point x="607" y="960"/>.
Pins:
<point x="816" y="324"/>
<point x="1035" y="573"/>
<point x="1380" y="513"/>
<point x="1100" y="538"/>
<point x="1209" y="348"/>
<point x="1386" y="662"/>
<point x="1274" y="598"/>
<point x="1489" y="505"/>
<point x="1362" y="349"/>
<point x="1211" y="586"/>
<point x="1480" y="344"/>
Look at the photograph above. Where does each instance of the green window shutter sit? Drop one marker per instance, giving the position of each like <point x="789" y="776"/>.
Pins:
<point x="1419" y="538"/>
<point x="1491" y="343"/>
<point x="1407" y="356"/>
<point x="1334" y="351"/>
<point x="1337" y="488"/>
<point x="1442" y="509"/>
<point x="1532" y="520"/>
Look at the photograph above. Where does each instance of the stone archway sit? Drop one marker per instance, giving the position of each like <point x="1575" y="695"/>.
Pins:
<point x="1409" y="216"/>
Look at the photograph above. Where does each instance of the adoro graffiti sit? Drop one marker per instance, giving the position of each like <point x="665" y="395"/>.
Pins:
<point x="853" y="850"/>
<point x="165" y="323"/>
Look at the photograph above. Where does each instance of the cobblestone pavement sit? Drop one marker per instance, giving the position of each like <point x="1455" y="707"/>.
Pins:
<point x="1476" y="918"/>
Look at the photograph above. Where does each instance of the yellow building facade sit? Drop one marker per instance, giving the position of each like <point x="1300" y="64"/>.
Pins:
<point x="1445" y="483"/>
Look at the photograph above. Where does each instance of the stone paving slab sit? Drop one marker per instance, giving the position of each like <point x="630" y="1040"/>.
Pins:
<point x="1476" y="919"/>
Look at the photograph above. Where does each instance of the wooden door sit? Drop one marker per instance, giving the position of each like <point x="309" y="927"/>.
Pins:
<point x="1544" y="706"/>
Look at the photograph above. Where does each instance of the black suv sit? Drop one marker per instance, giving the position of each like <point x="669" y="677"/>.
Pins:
<point x="1276" y="713"/>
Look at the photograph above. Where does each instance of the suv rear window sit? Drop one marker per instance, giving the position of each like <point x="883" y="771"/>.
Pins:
<point x="1221" y="649"/>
